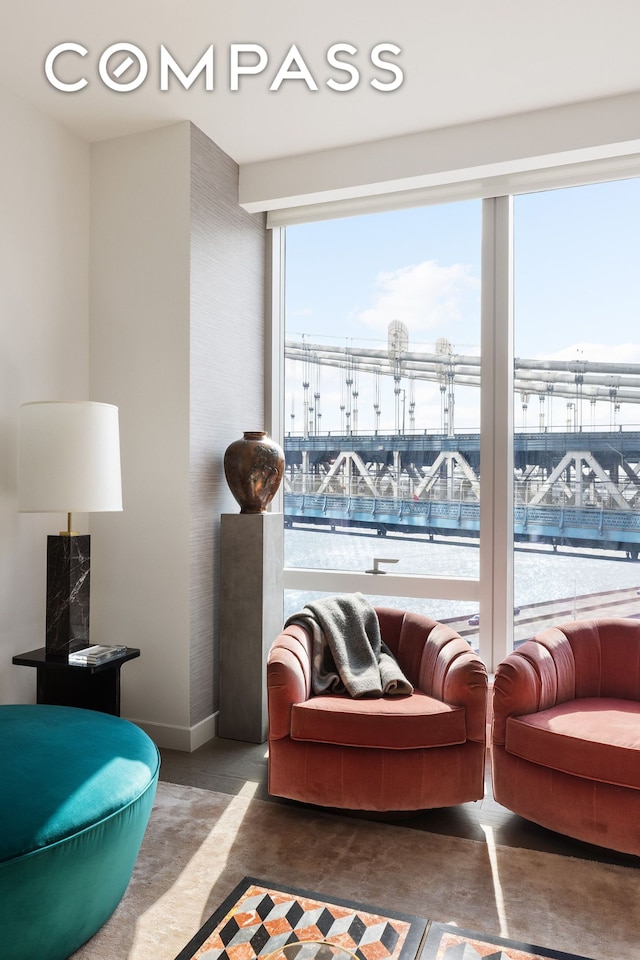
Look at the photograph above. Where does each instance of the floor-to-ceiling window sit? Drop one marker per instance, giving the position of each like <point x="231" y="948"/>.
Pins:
<point x="382" y="406"/>
<point x="386" y="318"/>
<point x="576" y="404"/>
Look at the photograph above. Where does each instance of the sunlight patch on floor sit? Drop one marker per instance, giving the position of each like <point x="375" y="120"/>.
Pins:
<point x="497" y="886"/>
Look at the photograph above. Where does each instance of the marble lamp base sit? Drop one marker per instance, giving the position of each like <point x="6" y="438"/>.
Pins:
<point x="68" y="565"/>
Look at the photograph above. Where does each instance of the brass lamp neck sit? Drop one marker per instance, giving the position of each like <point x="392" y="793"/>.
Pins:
<point x="69" y="532"/>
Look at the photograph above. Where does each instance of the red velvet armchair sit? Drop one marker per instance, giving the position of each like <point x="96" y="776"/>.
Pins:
<point x="566" y="732"/>
<point x="393" y="753"/>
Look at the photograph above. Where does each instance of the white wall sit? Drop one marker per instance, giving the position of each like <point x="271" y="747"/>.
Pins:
<point x="177" y="342"/>
<point x="44" y="346"/>
<point x="140" y="209"/>
<point x="227" y="385"/>
<point x="129" y="274"/>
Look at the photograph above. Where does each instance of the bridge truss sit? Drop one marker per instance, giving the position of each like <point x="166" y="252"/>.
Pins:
<point x="577" y="486"/>
<point x="587" y="497"/>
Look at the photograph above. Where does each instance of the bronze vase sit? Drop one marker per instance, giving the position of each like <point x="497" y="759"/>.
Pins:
<point x="253" y="467"/>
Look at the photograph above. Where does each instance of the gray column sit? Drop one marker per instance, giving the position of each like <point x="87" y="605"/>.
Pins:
<point x="251" y="617"/>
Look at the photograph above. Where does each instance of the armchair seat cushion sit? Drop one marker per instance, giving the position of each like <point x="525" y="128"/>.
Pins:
<point x="596" y="738"/>
<point x="394" y="723"/>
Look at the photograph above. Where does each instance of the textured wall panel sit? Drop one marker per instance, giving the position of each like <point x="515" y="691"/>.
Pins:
<point x="227" y="382"/>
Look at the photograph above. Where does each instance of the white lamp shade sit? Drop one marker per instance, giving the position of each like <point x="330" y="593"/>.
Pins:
<point x="69" y="457"/>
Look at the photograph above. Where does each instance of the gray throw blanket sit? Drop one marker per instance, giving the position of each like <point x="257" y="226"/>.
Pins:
<point x="349" y="655"/>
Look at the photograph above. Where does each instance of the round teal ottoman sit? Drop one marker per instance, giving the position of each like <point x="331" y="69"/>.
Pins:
<point x="76" y="790"/>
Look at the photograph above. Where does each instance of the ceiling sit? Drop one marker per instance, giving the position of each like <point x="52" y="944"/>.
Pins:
<point x="462" y="60"/>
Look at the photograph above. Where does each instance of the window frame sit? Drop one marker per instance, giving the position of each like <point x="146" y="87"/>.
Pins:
<point x="493" y="589"/>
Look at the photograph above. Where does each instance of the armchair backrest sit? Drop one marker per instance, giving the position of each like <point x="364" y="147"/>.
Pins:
<point x="606" y="653"/>
<point x="405" y="634"/>
<point x="438" y="661"/>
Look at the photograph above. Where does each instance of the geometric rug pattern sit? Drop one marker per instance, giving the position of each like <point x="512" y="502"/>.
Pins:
<point x="263" y="921"/>
<point x="258" y="919"/>
<point x="448" y="942"/>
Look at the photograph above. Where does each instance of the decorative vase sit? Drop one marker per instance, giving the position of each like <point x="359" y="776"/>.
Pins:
<point x="253" y="467"/>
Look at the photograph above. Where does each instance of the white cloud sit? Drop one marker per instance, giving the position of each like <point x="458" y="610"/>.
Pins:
<point x="427" y="298"/>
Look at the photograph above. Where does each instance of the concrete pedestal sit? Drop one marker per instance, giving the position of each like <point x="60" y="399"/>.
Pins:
<point x="251" y="617"/>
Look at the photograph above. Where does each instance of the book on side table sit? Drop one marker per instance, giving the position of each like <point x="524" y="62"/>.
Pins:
<point x="99" y="653"/>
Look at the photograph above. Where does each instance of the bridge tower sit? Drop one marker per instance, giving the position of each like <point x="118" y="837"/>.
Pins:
<point x="397" y="345"/>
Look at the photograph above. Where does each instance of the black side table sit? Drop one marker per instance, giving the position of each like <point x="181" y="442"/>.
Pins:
<point x="73" y="685"/>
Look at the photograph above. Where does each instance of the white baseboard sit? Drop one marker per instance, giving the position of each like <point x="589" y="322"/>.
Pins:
<point x="187" y="739"/>
<point x="204" y="731"/>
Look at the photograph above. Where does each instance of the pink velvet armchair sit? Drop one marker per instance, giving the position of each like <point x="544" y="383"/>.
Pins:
<point x="393" y="753"/>
<point x="566" y="732"/>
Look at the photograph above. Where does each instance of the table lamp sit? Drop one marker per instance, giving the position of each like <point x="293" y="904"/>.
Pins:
<point x="68" y="462"/>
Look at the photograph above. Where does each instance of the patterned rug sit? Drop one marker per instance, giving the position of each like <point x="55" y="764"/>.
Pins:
<point x="262" y="921"/>
<point x="446" y="942"/>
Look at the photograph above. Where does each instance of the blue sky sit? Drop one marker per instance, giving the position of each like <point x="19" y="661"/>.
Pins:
<point x="577" y="285"/>
<point x="577" y="259"/>
<point x="335" y="270"/>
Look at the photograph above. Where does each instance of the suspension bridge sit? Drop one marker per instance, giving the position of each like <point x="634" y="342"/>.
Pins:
<point x="576" y="480"/>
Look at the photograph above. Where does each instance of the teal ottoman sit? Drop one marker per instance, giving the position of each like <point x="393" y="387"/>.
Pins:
<point x="76" y="791"/>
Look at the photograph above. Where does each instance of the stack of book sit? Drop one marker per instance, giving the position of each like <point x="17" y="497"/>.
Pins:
<point x="99" y="653"/>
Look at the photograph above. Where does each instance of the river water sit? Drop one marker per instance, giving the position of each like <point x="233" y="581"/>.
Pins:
<point x="539" y="573"/>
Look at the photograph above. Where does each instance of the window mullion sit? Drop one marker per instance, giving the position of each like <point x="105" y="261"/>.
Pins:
<point x="274" y="344"/>
<point x="496" y="432"/>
